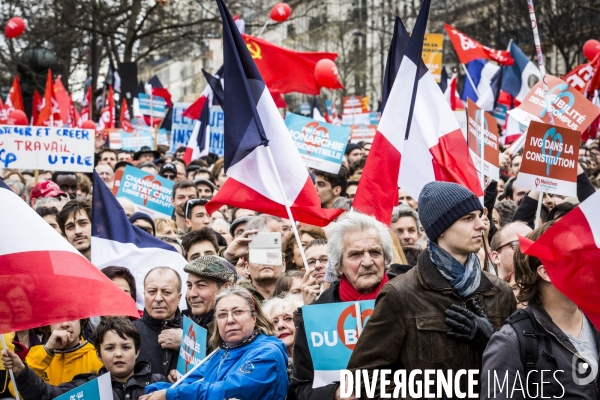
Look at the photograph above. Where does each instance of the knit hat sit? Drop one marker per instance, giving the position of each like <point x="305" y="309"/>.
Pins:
<point x="140" y="215"/>
<point x="350" y="147"/>
<point x="212" y="267"/>
<point x="441" y="204"/>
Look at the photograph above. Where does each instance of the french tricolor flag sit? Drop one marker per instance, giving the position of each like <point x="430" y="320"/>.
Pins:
<point x="199" y="142"/>
<point x="43" y="279"/>
<point x="252" y="122"/>
<point x="116" y="242"/>
<point x="570" y="250"/>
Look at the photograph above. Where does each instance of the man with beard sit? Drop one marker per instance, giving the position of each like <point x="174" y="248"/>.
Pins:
<point x="74" y="220"/>
<point x="182" y="192"/>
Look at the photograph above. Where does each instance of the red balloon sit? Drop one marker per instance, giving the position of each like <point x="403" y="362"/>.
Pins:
<point x="89" y="124"/>
<point x="14" y="27"/>
<point x="326" y="74"/>
<point x="17" y="117"/>
<point x="280" y="12"/>
<point x="591" y="48"/>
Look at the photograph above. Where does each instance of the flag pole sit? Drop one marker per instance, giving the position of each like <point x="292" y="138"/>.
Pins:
<point x="470" y="80"/>
<point x="287" y="208"/>
<point x="482" y="152"/>
<point x="205" y="359"/>
<point x="10" y="371"/>
<point x="262" y="29"/>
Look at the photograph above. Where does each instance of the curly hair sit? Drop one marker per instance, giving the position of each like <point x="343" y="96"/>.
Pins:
<point x="289" y="244"/>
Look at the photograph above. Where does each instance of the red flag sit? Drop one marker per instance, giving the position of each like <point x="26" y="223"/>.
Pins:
<point x="3" y="113"/>
<point x="569" y="250"/>
<point x="14" y="100"/>
<point x="594" y="83"/>
<point x="35" y="106"/>
<point x="107" y="116"/>
<point x="286" y="70"/>
<point x="278" y="99"/>
<point x="46" y="106"/>
<point x="164" y="93"/>
<point x="62" y="99"/>
<point x="468" y="49"/>
<point x="195" y="109"/>
<point x="125" y="119"/>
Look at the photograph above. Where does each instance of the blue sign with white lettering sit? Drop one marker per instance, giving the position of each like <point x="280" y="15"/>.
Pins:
<point x="182" y="127"/>
<point x="193" y="346"/>
<point x="151" y="193"/>
<point x="98" y="389"/>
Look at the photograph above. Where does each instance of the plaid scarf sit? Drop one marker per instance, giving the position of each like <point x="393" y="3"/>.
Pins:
<point x="464" y="279"/>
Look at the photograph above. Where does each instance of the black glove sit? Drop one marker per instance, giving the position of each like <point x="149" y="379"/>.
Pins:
<point x="467" y="326"/>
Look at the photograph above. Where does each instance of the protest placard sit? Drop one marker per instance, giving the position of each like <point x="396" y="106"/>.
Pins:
<point x="46" y="148"/>
<point x="571" y="109"/>
<point x="217" y="130"/>
<point x="321" y="145"/>
<point x="362" y="133"/>
<point x="332" y="331"/>
<point x="121" y="139"/>
<point x="181" y="128"/>
<point x="352" y="105"/>
<point x="193" y="347"/>
<point x="550" y="160"/>
<point x="491" y="161"/>
<point x="152" y="106"/>
<point x="433" y="49"/>
<point x="150" y="193"/>
<point x="98" y="389"/>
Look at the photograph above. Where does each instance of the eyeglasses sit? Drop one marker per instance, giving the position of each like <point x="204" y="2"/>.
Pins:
<point x="235" y="314"/>
<point x="514" y="244"/>
<point x="313" y="261"/>
<point x="170" y="177"/>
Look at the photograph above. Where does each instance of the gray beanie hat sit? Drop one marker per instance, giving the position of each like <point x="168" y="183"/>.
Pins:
<point x="441" y="204"/>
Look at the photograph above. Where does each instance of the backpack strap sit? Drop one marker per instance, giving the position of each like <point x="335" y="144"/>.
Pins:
<point x="528" y="340"/>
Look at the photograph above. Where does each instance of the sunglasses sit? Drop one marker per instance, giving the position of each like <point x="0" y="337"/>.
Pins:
<point x="191" y="203"/>
<point x="170" y="177"/>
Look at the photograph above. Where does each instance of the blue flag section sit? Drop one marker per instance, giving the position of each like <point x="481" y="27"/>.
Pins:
<point x="98" y="389"/>
<point x="193" y="346"/>
<point x="332" y="332"/>
<point x="394" y="59"/>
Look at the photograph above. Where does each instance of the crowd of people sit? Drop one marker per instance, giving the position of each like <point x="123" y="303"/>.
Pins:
<point x="453" y="290"/>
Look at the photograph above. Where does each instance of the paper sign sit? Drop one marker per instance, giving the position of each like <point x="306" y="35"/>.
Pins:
<point x="151" y="193"/>
<point x="121" y="139"/>
<point x="98" y="389"/>
<point x="550" y="160"/>
<point x="181" y="128"/>
<point x="571" y="109"/>
<point x="217" y="130"/>
<point x="321" y="145"/>
<point x="331" y="332"/>
<point x="352" y="105"/>
<point x="491" y="162"/>
<point x="362" y="133"/>
<point x="153" y="106"/>
<point x="193" y="346"/>
<point x="46" y="148"/>
<point x="433" y="48"/>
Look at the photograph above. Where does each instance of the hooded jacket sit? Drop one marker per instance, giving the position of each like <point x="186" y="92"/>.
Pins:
<point x="253" y="371"/>
<point x="31" y="387"/>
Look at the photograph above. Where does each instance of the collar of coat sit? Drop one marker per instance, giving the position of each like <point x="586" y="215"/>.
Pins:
<point x="160" y="324"/>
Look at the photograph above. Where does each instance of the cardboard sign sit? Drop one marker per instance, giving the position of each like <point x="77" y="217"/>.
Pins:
<point x="491" y="162"/>
<point x="550" y="160"/>
<point x="181" y="128"/>
<point x="331" y="332"/>
<point x="98" y="389"/>
<point x="47" y="148"/>
<point x="151" y="193"/>
<point x="571" y="109"/>
<point x="152" y="106"/>
<point x="364" y="133"/>
<point x="193" y="346"/>
<point x="321" y="145"/>
<point x="433" y="48"/>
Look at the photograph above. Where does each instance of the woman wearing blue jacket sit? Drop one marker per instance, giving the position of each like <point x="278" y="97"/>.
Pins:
<point x="250" y="363"/>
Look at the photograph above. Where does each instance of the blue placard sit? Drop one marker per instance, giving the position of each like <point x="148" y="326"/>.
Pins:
<point x="152" y="105"/>
<point x="182" y="127"/>
<point x="150" y="193"/>
<point x="217" y="131"/>
<point x="193" y="346"/>
<point x="331" y="332"/>
<point x="98" y="389"/>
<point x="321" y="145"/>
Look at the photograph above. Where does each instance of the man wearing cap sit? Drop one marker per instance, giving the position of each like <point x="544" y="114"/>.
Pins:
<point x="144" y="222"/>
<point x="168" y="171"/>
<point x="45" y="189"/>
<point x="205" y="187"/>
<point x="146" y="154"/>
<point x="440" y="314"/>
<point x="354" y="152"/>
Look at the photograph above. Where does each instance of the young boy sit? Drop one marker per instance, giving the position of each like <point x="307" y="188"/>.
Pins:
<point x="117" y="346"/>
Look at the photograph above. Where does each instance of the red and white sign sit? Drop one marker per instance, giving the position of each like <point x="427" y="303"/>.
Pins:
<point x="491" y="161"/>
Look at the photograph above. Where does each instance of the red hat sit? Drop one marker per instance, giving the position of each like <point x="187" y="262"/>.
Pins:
<point x="46" y="189"/>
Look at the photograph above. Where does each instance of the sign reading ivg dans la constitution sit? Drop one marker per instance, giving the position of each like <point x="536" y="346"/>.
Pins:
<point x="321" y="145"/>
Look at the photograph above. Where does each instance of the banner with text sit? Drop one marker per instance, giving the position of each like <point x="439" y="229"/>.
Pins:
<point x="217" y="130"/>
<point x="332" y="331"/>
<point x="550" y="160"/>
<point x="151" y="193"/>
<point x="152" y="106"/>
<point x="571" y="109"/>
<point x="98" y="389"/>
<point x="193" y="347"/>
<point x="362" y="133"/>
<point x="433" y="49"/>
<point x="321" y="145"/>
<point x="181" y="128"/>
<point x="46" y="148"/>
<point x="491" y="162"/>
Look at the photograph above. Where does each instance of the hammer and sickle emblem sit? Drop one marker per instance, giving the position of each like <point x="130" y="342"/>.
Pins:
<point x="254" y="50"/>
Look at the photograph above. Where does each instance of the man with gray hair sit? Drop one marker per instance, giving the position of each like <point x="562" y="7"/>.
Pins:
<point x="359" y="247"/>
<point x="405" y="224"/>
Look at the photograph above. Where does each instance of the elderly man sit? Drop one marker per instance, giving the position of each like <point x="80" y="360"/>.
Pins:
<point x="405" y="224"/>
<point x="440" y="314"/>
<point x="106" y="173"/>
<point x="160" y="326"/>
<point x="359" y="247"/>
<point x="503" y="246"/>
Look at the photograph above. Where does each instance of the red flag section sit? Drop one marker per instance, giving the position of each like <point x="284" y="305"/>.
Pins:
<point x="125" y="119"/>
<point x="48" y="111"/>
<point x="286" y="70"/>
<point x="107" y="116"/>
<point x="14" y="99"/>
<point x="35" y="107"/>
<point x="44" y="280"/>
<point x="468" y="49"/>
<point x="62" y="98"/>
<point x="570" y="250"/>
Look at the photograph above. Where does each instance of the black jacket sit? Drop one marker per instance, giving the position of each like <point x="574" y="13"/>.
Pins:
<point x="32" y="387"/>
<point x="161" y="360"/>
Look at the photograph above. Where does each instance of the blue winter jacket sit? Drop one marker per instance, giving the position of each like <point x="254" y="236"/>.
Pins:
<point x="254" y="371"/>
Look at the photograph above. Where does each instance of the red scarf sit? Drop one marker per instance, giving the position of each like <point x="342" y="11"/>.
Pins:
<point x="348" y="293"/>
